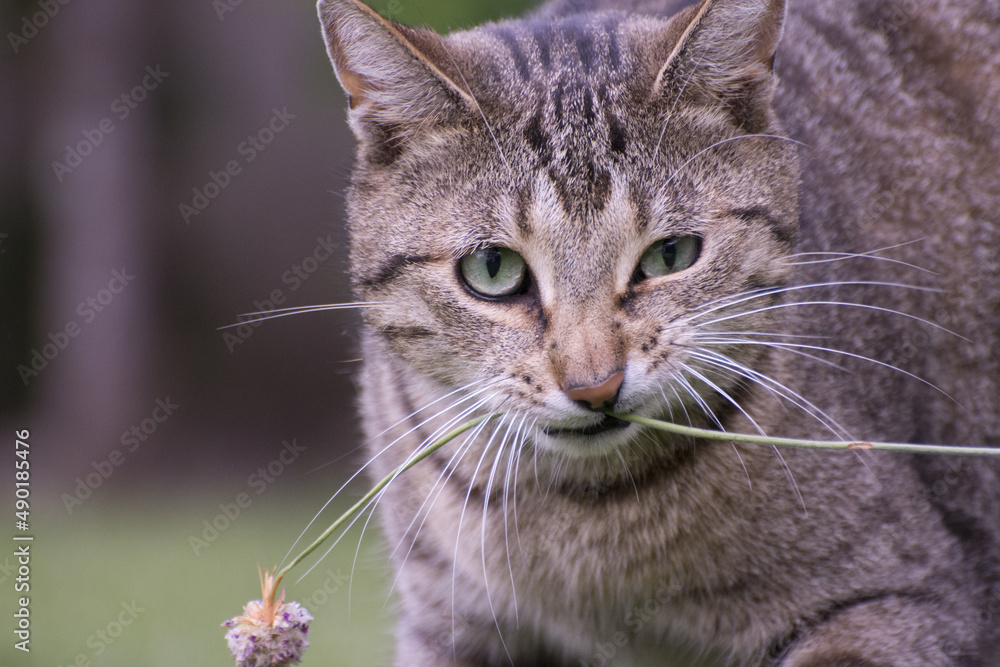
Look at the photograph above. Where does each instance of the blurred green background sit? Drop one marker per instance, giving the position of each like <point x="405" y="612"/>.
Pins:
<point x="121" y="584"/>
<point x="119" y="487"/>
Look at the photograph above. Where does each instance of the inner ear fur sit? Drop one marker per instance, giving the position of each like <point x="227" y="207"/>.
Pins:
<point x="394" y="76"/>
<point x="722" y="54"/>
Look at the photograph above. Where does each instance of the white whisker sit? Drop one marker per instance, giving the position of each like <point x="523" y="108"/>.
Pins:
<point x="458" y="539"/>
<point x="743" y="297"/>
<point x="486" y="502"/>
<point x="515" y="452"/>
<point x="842" y="256"/>
<point x="373" y="502"/>
<point x="416" y="412"/>
<point x="860" y="357"/>
<point x="670" y="112"/>
<point x="261" y="316"/>
<point x="523" y="436"/>
<point x="423" y="512"/>
<point x="791" y="480"/>
<point x="778" y="389"/>
<point x="724" y="394"/>
<point x="871" y="254"/>
<point x="726" y="141"/>
<point x="449" y="468"/>
<point x="731" y="339"/>
<point x="686" y="385"/>
<point x="680" y="401"/>
<point x="482" y="115"/>
<point x="795" y="304"/>
<point x="629" y="473"/>
<point x="435" y="492"/>
<point x="362" y="468"/>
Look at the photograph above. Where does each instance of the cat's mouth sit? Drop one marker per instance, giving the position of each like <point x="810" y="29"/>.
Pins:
<point x="606" y="425"/>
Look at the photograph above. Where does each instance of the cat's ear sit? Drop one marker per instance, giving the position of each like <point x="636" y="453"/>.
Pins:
<point x="396" y="78"/>
<point x="724" y="57"/>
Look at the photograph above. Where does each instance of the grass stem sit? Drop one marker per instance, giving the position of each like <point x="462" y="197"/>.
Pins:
<point x="655" y="424"/>
<point x="807" y="444"/>
<point x="360" y="505"/>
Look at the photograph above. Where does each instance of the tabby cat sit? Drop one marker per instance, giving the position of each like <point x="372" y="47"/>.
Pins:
<point x="736" y="215"/>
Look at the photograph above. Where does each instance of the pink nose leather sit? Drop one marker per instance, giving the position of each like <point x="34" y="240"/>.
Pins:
<point x="599" y="395"/>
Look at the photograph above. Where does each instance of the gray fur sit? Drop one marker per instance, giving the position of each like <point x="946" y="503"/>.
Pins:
<point x="578" y="137"/>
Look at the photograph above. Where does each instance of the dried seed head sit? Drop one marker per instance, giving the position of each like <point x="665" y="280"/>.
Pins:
<point x="270" y="633"/>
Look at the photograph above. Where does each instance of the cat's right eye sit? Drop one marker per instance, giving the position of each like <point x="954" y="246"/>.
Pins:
<point x="494" y="272"/>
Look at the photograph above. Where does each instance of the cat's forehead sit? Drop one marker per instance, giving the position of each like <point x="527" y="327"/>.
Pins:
<point x="587" y="46"/>
<point x="573" y="65"/>
<point x="560" y="97"/>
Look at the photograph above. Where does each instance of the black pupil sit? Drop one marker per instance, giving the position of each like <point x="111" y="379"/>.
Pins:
<point x="669" y="250"/>
<point x="493" y="259"/>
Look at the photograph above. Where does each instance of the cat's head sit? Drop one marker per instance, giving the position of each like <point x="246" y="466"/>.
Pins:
<point x="566" y="215"/>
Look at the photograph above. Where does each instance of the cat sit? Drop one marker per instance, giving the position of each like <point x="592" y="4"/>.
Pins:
<point x="735" y="215"/>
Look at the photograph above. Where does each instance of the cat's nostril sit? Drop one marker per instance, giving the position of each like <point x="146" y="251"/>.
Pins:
<point x="598" y="396"/>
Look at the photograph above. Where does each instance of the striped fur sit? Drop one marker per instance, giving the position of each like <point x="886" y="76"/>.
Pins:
<point x="578" y="137"/>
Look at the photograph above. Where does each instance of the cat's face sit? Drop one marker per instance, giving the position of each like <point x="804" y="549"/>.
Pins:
<point x="569" y="217"/>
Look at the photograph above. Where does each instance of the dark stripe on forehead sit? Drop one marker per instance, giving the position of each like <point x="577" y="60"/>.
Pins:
<point x="616" y="134"/>
<point x="585" y="47"/>
<point x="524" y="196"/>
<point x="781" y="232"/>
<point x="640" y="204"/>
<point x="557" y="100"/>
<point x="584" y="192"/>
<point x="562" y="190"/>
<point x="614" y="53"/>
<point x="601" y="190"/>
<point x="543" y="35"/>
<point x="393" y="268"/>
<point x="536" y="137"/>
<point x="508" y="37"/>
<point x="580" y="33"/>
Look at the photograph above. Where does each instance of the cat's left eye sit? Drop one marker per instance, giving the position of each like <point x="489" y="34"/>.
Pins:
<point x="494" y="272"/>
<point x="668" y="256"/>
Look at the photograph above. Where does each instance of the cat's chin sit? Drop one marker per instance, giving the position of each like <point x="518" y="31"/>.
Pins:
<point x="593" y="440"/>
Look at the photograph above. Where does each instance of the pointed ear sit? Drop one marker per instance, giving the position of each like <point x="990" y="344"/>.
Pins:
<point x="724" y="58"/>
<point x="396" y="78"/>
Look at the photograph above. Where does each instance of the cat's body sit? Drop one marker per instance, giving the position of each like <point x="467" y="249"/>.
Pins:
<point x="579" y="139"/>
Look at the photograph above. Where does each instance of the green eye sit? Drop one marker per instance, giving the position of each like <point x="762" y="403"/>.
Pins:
<point x="494" y="272"/>
<point x="669" y="256"/>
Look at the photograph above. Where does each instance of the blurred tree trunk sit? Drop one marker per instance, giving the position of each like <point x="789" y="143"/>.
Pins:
<point x="94" y="220"/>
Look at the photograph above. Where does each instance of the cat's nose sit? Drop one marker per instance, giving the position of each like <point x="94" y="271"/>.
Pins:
<point x="599" y="396"/>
